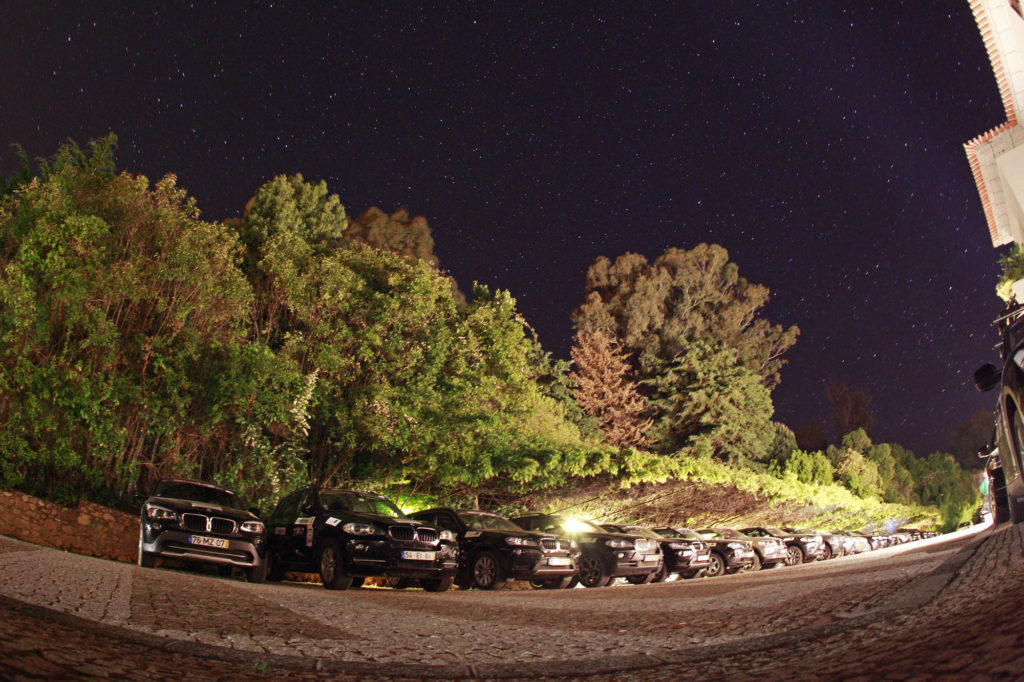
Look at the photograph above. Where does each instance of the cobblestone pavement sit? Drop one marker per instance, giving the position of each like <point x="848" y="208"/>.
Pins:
<point x="942" y="608"/>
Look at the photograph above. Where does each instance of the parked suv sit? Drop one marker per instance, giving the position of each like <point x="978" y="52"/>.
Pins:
<point x="768" y="552"/>
<point x="493" y="550"/>
<point x="604" y="555"/>
<point x="683" y="556"/>
<point x="800" y="547"/>
<point x="347" y="535"/>
<point x="728" y="555"/>
<point x="699" y="555"/>
<point x="202" y="523"/>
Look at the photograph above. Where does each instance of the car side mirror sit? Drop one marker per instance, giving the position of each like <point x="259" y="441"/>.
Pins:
<point x="987" y="377"/>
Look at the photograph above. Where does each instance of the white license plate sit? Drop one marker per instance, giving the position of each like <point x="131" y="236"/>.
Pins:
<point x="220" y="543"/>
<point x="650" y="557"/>
<point x="418" y="556"/>
<point x="558" y="561"/>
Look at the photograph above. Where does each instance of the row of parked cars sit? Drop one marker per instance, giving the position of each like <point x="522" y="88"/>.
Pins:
<point x="346" y="536"/>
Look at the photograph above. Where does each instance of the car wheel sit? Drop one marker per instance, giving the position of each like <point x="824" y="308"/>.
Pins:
<point x="661" y="576"/>
<point x="717" y="565"/>
<point x="826" y="552"/>
<point x="757" y="565"/>
<point x="487" y="572"/>
<point x="592" y="571"/>
<point x="332" y="567"/>
<point x="436" y="584"/>
<point x="257" y="574"/>
<point x="145" y="559"/>
<point x="275" y="572"/>
<point x="794" y="555"/>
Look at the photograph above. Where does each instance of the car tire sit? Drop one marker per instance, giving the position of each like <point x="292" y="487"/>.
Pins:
<point x="275" y="572"/>
<point x="488" y="573"/>
<point x="661" y="576"/>
<point x="437" y="584"/>
<point x="257" y="574"/>
<point x="826" y="552"/>
<point x="332" y="567"/>
<point x="717" y="566"/>
<point x="794" y="555"/>
<point x="592" y="572"/>
<point x="757" y="565"/>
<point x="145" y="559"/>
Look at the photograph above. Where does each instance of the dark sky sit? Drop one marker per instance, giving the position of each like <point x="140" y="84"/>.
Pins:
<point x="819" y="142"/>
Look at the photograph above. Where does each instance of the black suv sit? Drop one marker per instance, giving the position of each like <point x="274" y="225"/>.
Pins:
<point x="685" y="556"/>
<point x="201" y="523"/>
<point x="604" y="555"/>
<point x="728" y="555"/>
<point x="347" y="535"/>
<point x="493" y="550"/>
<point x="800" y="547"/>
<point x="1005" y="466"/>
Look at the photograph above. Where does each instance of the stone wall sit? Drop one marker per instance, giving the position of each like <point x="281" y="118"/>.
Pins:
<point x="84" y="529"/>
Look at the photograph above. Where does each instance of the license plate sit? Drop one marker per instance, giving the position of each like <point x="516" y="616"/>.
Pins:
<point x="558" y="561"/>
<point x="220" y="543"/>
<point x="650" y="557"/>
<point x="417" y="556"/>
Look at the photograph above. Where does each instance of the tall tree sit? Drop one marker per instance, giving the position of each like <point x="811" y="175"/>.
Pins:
<point x="657" y="310"/>
<point x="849" y="408"/>
<point x="605" y="391"/>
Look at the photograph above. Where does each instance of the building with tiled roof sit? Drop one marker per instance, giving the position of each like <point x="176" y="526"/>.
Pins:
<point x="997" y="157"/>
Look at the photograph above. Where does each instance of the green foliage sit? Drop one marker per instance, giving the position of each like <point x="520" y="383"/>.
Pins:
<point x="709" y="403"/>
<point x="810" y="467"/>
<point x="658" y="310"/>
<point x="1012" y="265"/>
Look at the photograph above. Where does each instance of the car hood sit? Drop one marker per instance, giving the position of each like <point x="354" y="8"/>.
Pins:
<point x="190" y="506"/>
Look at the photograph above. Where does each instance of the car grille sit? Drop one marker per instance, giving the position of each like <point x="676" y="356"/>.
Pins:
<point x="411" y="534"/>
<point x="207" y="524"/>
<point x="553" y="545"/>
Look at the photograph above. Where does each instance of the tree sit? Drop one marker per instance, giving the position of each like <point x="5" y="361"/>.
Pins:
<point x="121" y="322"/>
<point x="397" y="233"/>
<point x="710" y="404"/>
<point x="605" y="392"/>
<point x="658" y="310"/>
<point x="849" y="408"/>
<point x="969" y="437"/>
<point x="812" y="436"/>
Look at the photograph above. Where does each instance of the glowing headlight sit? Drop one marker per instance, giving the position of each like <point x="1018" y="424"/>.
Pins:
<point x="618" y="543"/>
<point x="735" y="545"/>
<point x="252" y="527"/>
<point x="575" y="526"/>
<point x="677" y="545"/>
<point x="573" y="545"/>
<point x="359" y="529"/>
<point x="160" y="513"/>
<point x="517" y="541"/>
<point x="447" y="535"/>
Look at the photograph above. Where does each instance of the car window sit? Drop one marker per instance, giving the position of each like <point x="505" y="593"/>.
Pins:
<point x="484" y="521"/>
<point x="197" y="493"/>
<point x="286" y="509"/>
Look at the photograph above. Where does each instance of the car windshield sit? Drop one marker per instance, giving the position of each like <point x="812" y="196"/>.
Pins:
<point x="633" y="530"/>
<point x="484" y="521"/>
<point x="709" y="534"/>
<point x="688" y="534"/>
<point x="195" y="492"/>
<point x="775" y="531"/>
<point x="338" y="500"/>
<point x="729" y="533"/>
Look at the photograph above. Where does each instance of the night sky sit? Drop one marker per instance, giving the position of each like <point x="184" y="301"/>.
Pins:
<point x="820" y="142"/>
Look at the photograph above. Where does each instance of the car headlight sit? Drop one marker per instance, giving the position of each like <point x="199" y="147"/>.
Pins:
<point x="359" y="529"/>
<point x="447" y="535"/>
<point x="677" y="545"/>
<point x="618" y="543"/>
<point x="158" y="513"/>
<point x="517" y="541"/>
<point x="255" y="527"/>
<point x="573" y="545"/>
<point x="735" y="545"/>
